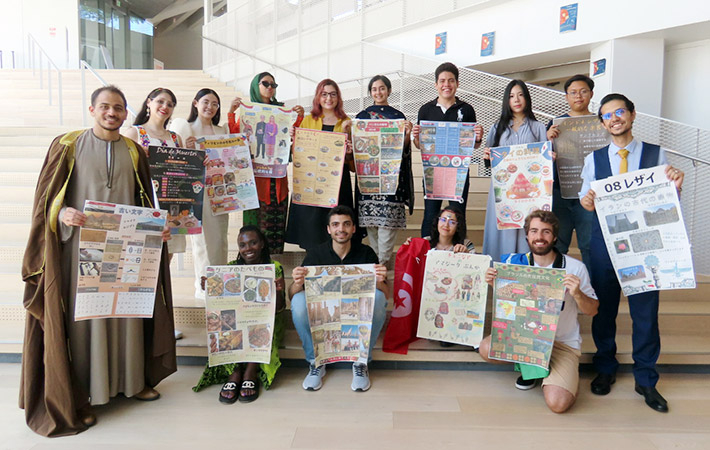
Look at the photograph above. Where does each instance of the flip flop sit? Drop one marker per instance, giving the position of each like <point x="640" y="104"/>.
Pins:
<point x="229" y="386"/>
<point x="248" y="384"/>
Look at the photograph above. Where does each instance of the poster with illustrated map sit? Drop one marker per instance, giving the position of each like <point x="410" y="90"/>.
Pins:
<point x="454" y="294"/>
<point x="240" y="308"/>
<point x="527" y="302"/>
<point x="447" y="148"/>
<point x="644" y="231"/>
<point x="318" y="166"/>
<point x="377" y="149"/>
<point x="522" y="182"/>
<point x="119" y="261"/>
<point x="340" y="301"/>
<point x="266" y="128"/>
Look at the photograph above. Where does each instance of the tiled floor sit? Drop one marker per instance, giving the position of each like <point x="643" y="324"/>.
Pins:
<point x="408" y="409"/>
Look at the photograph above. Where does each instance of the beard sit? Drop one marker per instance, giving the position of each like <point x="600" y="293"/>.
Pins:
<point x="541" y="251"/>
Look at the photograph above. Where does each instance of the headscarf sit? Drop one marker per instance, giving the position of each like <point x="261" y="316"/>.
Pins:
<point x="255" y="95"/>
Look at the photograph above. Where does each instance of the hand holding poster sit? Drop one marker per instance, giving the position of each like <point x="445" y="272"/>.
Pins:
<point x="178" y="179"/>
<point x="377" y="149"/>
<point x="340" y="301"/>
<point x="578" y="137"/>
<point x="230" y="178"/>
<point x="524" y="321"/>
<point x="266" y="128"/>
<point x="241" y="303"/>
<point x="640" y="217"/>
<point x="318" y="159"/>
<point x="454" y="293"/>
<point x="446" y="148"/>
<point x="522" y="181"/>
<point x="119" y="261"/>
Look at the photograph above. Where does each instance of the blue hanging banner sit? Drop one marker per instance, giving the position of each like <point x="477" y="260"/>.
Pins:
<point x="440" y="44"/>
<point x="487" y="43"/>
<point x="568" y="18"/>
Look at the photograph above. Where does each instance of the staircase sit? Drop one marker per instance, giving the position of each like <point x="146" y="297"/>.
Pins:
<point x="684" y="315"/>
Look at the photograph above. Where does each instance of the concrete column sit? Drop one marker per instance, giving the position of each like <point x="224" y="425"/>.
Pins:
<point x="208" y="11"/>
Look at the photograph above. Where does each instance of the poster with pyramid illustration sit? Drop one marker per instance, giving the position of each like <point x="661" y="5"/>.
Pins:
<point x="522" y="181"/>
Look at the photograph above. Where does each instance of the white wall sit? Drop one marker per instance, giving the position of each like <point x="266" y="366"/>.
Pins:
<point x="686" y="95"/>
<point x="180" y="48"/>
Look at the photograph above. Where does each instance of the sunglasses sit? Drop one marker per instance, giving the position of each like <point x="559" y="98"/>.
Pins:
<point x="618" y="113"/>
<point x="267" y="85"/>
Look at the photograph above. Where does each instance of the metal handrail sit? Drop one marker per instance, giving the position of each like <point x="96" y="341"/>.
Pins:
<point x="31" y="45"/>
<point x="83" y="65"/>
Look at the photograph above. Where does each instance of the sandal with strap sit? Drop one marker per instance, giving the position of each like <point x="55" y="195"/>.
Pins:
<point x="249" y="384"/>
<point x="229" y="386"/>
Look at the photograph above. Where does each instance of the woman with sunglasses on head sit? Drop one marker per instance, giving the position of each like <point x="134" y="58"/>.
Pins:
<point x="383" y="215"/>
<point x="272" y="192"/>
<point x="517" y="125"/>
<point x="448" y="232"/>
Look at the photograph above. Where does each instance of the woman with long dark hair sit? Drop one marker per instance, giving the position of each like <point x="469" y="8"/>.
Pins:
<point x="448" y="232"/>
<point x="517" y="125"/>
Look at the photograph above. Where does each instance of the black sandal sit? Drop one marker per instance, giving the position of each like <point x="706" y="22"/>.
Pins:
<point x="229" y="386"/>
<point x="249" y="384"/>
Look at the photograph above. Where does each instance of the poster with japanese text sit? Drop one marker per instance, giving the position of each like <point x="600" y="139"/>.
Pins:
<point x="241" y="303"/>
<point x="340" y="301"/>
<point x="266" y="128"/>
<point x="229" y="178"/>
<point x="640" y="217"/>
<point x="178" y="177"/>
<point x="119" y="261"/>
<point x="522" y="182"/>
<point x="318" y="165"/>
<point x="488" y="43"/>
<point x="527" y="302"/>
<point x="446" y="149"/>
<point x="454" y="293"/>
<point x="568" y="18"/>
<point x="579" y="136"/>
<point x="377" y="149"/>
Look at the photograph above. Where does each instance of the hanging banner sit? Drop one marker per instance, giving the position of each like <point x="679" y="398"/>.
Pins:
<point x="568" y="18"/>
<point x="488" y="43"/>
<point x="446" y="148"/>
<point x="266" y="128"/>
<point x="318" y="164"/>
<point x="377" y="149"/>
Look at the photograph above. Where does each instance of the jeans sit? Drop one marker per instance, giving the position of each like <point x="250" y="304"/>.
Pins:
<point x="573" y="217"/>
<point x="303" y="327"/>
<point x="433" y="207"/>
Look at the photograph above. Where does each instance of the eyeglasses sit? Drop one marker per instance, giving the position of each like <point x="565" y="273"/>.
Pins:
<point x="452" y="222"/>
<point x="329" y="94"/>
<point x="582" y="92"/>
<point x="206" y="102"/>
<point x="267" y="85"/>
<point x="618" y="113"/>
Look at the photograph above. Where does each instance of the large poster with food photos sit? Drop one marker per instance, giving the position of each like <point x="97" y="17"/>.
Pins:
<point x="527" y="302"/>
<point x="241" y="303"/>
<point x="453" y="300"/>
<point x="230" y="177"/>
<point x="447" y="148"/>
<point x="377" y="149"/>
<point x="119" y="261"/>
<point x="266" y="128"/>
<point x="318" y="165"/>
<point x="340" y="301"/>
<point x="522" y="181"/>
<point x="579" y="136"/>
<point x="178" y="177"/>
<point x="642" y="223"/>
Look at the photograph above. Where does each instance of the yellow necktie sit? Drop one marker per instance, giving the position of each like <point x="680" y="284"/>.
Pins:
<point x="624" y="164"/>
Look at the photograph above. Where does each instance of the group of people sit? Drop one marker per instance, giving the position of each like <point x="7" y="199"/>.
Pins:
<point x="69" y="366"/>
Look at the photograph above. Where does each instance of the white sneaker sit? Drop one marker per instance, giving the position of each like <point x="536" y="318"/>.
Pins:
<point x="178" y="335"/>
<point x="361" y="378"/>
<point x="314" y="379"/>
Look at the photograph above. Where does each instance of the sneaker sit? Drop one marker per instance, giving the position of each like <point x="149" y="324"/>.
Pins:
<point x="525" y="385"/>
<point x="314" y="379"/>
<point x="361" y="378"/>
<point x="178" y="335"/>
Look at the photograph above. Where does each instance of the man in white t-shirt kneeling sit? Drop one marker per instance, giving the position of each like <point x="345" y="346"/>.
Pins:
<point x="560" y="386"/>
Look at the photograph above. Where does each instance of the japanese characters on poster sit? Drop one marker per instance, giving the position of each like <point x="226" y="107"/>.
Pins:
<point x="340" y="301"/>
<point x="119" y="261"/>
<point x="266" y="128"/>
<point x="526" y="306"/>
<point x="453" y="301"/>
<point x="377" y="149"/>
<point x="229" y="178"/>
<point x="241" y="303"/>
<point x="178" y="179"/>
<point x="568" y="18"/>
<point x="640" y="217"/>
<point x="522" y="182"/>
<point x="579" y="136"/>
<point x="318" y="165"/>
<point x="446" y="148"/>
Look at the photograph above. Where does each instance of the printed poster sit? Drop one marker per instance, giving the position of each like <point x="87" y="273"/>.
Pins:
<point x="568" y="18"/>
<point x="230" y="177"/>
<point x="119" y="261"/>
<point x="266" y="128"/>
<point x="446" y="148"/>
<point x="377" y="149"/>
<point x="488" y="43"/>
<point x="178" y="176"/>
<point x="454" y="294"/>
<point x="241" y="303"/>
<point x="340" y="301"/>
<point x="318" y="165"/>
<point x="522" y="182"/>
<point x="642" y="223"/>
<point x="527" y="302"/>
<point x="579" y="136"/>
<point x="599" y="67"/>
<point x="440" y="43"/>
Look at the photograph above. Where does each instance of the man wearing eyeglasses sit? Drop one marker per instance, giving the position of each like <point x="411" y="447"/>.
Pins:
<point x="624" y="154"/>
